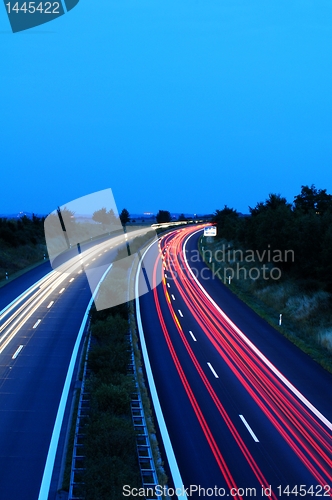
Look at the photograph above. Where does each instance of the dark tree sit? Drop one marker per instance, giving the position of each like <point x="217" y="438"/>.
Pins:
<point x="312" y="199"/>
<point x="163" y="216"/>
<point x="25" y="220"/>
<point x="124" y="217"/>
<point x="226" y="220"/>
<point x="36" y="220"/>
<point x="182" y="217"/>
<point x="273" y="202"/>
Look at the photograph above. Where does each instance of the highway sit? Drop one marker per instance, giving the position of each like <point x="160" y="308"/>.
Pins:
<point x="246" y="412"/>
<point x="242" y="407"/>
<point x="40" y="320"/>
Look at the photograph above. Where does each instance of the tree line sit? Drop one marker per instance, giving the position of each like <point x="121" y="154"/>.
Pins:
<point x="109" y="217"/>
<point x="22" y="231"/>
<point x="304" y="226"/>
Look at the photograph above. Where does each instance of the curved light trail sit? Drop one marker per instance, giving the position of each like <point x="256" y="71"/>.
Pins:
<point x="306" y="433"/>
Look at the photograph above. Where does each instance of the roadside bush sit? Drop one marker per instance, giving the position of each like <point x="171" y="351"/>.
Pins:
<point x="113" y="398"/>
<point x="22" y="243"/>
<point x="9" y="237"/>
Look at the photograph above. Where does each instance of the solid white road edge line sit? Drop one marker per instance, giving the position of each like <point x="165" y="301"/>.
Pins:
<point x="176" y="476"/>
<point x="257" y="351"/>
<point x="253" y="435"/>
<point x="48" y="470"/>
<point x="213" y="370"/>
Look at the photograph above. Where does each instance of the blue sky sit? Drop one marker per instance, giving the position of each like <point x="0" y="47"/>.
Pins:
<point x="181" y="105"/>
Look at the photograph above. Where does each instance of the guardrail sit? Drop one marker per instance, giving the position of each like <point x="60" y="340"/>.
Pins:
<point x="144" y="450"/>
<point x="77" y="465"/>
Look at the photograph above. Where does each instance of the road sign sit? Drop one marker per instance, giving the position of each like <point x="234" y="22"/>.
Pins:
<point x="210" y="231"/>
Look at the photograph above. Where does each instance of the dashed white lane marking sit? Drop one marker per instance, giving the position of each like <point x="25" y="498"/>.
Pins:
<point x="168" y="285"/>
<point x="50" y="304"/>
<point x="180" y="313"/>
<point x="70" y="281"/>
<point x="193" y="336"/>
<point x="62" y="290"/>
<point x="213" y="370"/>
<point x="172" y="296"/>
<point x="257" y="351"/>
<point x="253" y="435"/>
<point x="17" y="352"/>
<point x="37" y="323"/>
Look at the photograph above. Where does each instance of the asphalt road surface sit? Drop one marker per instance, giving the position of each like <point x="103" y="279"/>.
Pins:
<point x="244" y="408"/>
<point x="41" y="315"/>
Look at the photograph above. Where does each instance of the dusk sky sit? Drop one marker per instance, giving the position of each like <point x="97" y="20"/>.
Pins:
<point x="179" y="105"/>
